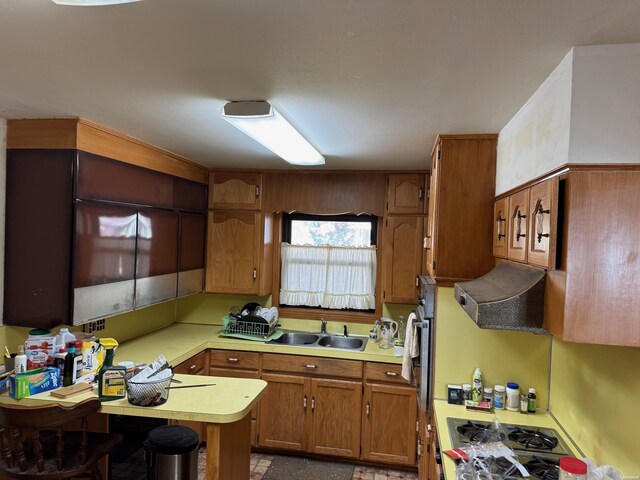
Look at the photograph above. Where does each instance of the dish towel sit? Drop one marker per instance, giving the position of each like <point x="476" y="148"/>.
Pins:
<point x="411" y="348"/>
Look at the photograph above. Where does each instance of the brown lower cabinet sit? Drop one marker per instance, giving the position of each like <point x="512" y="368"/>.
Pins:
<point x="321" y="405"/>
<point x="196" y="365"/>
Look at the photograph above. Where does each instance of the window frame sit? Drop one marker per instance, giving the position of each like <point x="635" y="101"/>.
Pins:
<point x="287" y="218"/>
<point x="317" y="313"/>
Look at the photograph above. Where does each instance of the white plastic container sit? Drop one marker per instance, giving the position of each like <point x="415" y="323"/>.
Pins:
<point x="21" y="360"/>
<point x="63" y="338"/>
<point x="513" y="397"/>
<point x="498" y="397"/>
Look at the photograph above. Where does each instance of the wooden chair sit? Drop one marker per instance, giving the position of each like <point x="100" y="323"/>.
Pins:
<point x="34" y="444"/>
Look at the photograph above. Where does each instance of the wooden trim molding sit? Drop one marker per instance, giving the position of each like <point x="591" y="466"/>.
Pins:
<point x="82" y="134"/>
<point x="462" y="136"/>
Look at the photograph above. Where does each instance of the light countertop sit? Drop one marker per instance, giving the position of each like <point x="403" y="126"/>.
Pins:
<point x="180" y="341"/>
<point x="443" y="410"/>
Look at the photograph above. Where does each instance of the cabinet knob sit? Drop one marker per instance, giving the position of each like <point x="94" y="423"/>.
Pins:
<point x="232" y="360"/>
<point x="192" y="368"/>
<point x="310" y="365"/>
<point x="392" y="374"/>
<point x="313" y="403"/>
<point x="368" y="409"/>
<point x="539" y="221"/>
<point x="304" y="402"/>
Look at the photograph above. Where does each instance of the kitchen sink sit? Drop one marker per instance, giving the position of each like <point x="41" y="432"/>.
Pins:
<point x="322" y="340"/>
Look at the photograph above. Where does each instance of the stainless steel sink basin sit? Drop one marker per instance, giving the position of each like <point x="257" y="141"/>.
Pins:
<point x="322" y="340"/>
<point x="351" y="343"/>
<point x="297" y="338"/>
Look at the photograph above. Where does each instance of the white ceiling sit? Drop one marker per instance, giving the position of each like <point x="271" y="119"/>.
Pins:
<point x="369" y="82"/>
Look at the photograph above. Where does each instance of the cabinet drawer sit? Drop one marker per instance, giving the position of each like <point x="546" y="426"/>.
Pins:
<point x="384" y="372"/>
<point x="312" y="365"/>
<point x="194" y="366"/>
<point x="234" y="359"/>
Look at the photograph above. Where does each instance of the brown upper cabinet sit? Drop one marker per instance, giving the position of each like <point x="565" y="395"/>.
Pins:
<point x="458" y="243"/>
<point x="500" y="227"/>
<point x="591" y="296"/>
<point x="406" y="193"/>
<point x="401" y="258"/>
<point x="518" y="226"/>
<point x="235" y="190"/>
<point x="239" y="252"/>
<point x="543" y="218"/>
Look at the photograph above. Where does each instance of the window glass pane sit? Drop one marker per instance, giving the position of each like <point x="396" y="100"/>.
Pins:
<point x="343" y="234"/>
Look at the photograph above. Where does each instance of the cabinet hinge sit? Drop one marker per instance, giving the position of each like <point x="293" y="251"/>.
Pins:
<point x="418" y="426"/>
<point x="420" y="193"/>
<point x="386" y="221"/>
<point x="434" y="265"/>
<point x="417" y="281"/>
<point x="384" y="294"/>
<point x="439" y="154"/>
<point x="257" y="190"/>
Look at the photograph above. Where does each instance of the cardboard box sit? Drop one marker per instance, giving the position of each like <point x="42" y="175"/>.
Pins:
<point x="32" y="382"/>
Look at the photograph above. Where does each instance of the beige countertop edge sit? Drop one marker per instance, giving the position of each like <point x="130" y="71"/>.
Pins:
<point x="179" y="342"/>
<point x="237" y="401"/>
<point x="443" y="410"/>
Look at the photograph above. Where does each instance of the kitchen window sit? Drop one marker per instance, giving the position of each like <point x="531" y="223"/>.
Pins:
<point x="329" y="261"/>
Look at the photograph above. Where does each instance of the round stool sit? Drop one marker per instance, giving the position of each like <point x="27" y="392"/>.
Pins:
<point x="172" y="453"/>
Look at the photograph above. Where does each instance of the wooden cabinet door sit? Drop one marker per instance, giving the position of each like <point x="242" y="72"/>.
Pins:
<point x="334" y="430"/>
<point x="233" y="246"/>
<point x="430" y="233"/>
<point x="543" y="218"/>
<point x="235" y="190"/>
<point x="406" y="193"/>
<point x="500" y="227"/>
<point x="518" y="226"/>
<point x="284" y="409"/>
<point x="156" y="256"/>
<point x="402" y="258"/>
<point x="389" y="424"/>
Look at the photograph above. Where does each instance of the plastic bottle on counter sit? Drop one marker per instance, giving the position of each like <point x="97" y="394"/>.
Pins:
<point x="513" y="396"/>
<point x="21" y="360"/>
<point x="572" y="469"/>
<point x="62" y="339"/>
<point x="58" y="360"/>
<point x="111" y="379"/>
<point x="532" y="401"/>
<point x="478" y="381"/>
<point x="77" y="361"/>
<point x="488" y="395"/>
<point x="524" y="403"/>
<point x="498" y="397"/>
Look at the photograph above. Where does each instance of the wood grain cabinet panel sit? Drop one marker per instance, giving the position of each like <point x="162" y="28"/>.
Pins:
<point x="543" y="218"/>
<point x="518" y="226"/>
<point x="500" y="227"/>
<point x="402" y="258"/>
<point x="193" y="232"/>
<point x="333" y="431"/>
<point x="235" y="190"/>
<point x="196" y="365"/>
<point x="460" y="202"/>
<point x="326" y="367"/>
<point x="284" y="406"/>
<point x="239" y="252"/>
<point x="384" y="372"/>
<point x="406" y="193"/>
<point x="389" y="424"/>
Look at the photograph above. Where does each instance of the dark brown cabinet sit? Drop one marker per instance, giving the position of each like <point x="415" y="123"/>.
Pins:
<point x="193" y="230"/>
<point x="83" y="242"/>
<point x="156" y="256"/>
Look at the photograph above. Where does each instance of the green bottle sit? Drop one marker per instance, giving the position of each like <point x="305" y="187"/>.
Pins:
<point x="111" y="384"/>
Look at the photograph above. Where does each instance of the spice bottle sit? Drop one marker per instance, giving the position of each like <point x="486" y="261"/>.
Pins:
<point x="572" y="469"/>
<point x="524" y="403"/>
<point x="498" y="397"/>
<point x="532" y="401"/>
<point x="513" y="396"/>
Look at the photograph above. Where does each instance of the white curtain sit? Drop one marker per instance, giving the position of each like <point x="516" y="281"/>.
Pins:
<point x="329" y="277"/>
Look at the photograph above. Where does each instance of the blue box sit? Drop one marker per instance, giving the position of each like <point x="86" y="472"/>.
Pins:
<point x="31" y="382"/>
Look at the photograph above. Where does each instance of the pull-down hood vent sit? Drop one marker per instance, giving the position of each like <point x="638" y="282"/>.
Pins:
<point x="509" y="297"/>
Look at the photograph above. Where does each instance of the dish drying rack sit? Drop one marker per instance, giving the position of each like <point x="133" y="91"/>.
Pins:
<point x="252" y="325"/>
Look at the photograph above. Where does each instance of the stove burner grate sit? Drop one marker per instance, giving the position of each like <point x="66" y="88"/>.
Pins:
<point x="479" y="432"/>
<point x="533" y="439"/>
<point x="542" y="468"/>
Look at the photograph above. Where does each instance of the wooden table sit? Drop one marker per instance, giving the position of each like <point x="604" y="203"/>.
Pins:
<point x="225" y="406"/>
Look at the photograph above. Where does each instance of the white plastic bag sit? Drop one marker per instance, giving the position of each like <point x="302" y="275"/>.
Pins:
<point x="604" y="472"/>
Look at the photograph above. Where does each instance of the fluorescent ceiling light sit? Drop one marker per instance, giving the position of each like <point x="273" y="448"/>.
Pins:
<point x="266" y="126"/>
<point x="91" y="3"/>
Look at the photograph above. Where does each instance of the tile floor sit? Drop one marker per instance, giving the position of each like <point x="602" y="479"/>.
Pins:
<point x="133" y="468"/>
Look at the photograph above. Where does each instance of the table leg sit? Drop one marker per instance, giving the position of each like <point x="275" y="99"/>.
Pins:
<point x="229" y="450"/>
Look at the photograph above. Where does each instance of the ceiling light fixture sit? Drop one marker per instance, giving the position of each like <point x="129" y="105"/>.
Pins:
<point x="266" y="126"/>
<point x="91" y="3"/>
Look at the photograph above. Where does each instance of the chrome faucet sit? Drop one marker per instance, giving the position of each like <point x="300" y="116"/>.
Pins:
<point x="323" y="325"/>
<point x="346" y="333"/>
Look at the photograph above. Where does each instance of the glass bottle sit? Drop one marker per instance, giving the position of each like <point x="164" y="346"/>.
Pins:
<point x="402" y="329"/>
